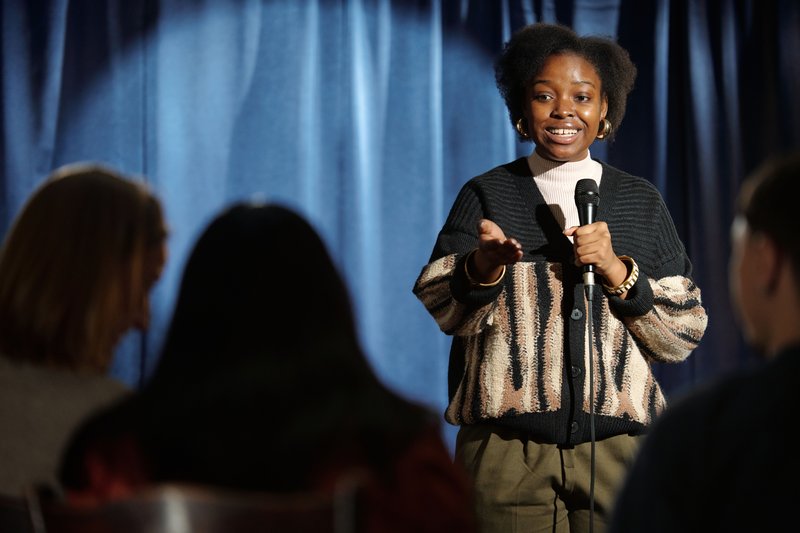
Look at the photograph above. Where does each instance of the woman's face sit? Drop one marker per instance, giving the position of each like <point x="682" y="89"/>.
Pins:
<point x="745" y="271"/>
<point x="563" y="108"/>
<point x="155" y="259"/>
<point x="134" y="308"/>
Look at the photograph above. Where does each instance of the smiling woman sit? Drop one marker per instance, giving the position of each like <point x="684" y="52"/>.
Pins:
<point x="523" y="388"/>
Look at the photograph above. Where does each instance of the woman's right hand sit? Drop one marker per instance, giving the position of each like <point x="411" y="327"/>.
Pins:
<point x="494" y="251"/>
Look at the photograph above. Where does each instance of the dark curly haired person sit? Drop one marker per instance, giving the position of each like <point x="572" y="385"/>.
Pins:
<point x="723" y="457"/>
<point x="548" y="427"/>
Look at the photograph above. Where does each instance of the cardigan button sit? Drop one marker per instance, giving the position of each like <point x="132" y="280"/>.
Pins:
<point x="576" y="371"/>
<point x="577" y="314"/>
<point x="575" y="427"/>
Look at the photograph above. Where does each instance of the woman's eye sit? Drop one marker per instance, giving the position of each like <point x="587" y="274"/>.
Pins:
<point x="582" y="98"/>
<point x="542" y="97"/>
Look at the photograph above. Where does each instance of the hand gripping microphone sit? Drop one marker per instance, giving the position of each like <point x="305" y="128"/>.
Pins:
<point x="587" y="198"/>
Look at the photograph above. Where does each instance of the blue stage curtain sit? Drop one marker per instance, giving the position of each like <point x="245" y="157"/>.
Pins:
<point x="368" y="115"/>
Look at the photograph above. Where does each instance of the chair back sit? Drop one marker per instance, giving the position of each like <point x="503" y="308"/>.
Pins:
<point x="178" y="508"/>
<point x="14" y="515"/>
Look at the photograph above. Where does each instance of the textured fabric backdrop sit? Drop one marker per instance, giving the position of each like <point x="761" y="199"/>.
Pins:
<point x="368" y="115"/>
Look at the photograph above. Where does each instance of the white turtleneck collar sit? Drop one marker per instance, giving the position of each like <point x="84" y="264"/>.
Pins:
<point x="556" y="181"/>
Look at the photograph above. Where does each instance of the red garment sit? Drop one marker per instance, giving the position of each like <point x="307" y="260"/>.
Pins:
<point x="425" y="492"/>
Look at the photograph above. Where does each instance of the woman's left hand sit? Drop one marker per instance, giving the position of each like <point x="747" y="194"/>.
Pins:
<point x="592" y="245"/>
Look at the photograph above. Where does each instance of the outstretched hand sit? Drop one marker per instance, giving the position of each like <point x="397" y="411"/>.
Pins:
<point x="494" y="251"/>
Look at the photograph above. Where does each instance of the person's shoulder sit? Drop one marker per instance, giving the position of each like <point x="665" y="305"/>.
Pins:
<point x="617" y="173"/>
<point x="732" y="397"/>
<point x="771" y="380"/>
<point x="507" y="171"/>
<point x="703" y="399"/>
<point x="626" y="179"/>
<point x="787" y="360"/>
<point x="61" y="386"/>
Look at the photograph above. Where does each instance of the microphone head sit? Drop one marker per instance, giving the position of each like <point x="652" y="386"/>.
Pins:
<point x="586" y="192"/>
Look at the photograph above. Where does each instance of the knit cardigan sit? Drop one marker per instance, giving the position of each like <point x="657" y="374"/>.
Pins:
<point x="518" y="356"/>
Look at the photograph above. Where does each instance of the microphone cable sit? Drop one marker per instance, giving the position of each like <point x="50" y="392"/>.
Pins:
<point x="589" y="319"/>
<point x="587" y="198"/>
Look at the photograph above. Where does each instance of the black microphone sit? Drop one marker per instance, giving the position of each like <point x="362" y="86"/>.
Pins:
<point x="587" y="198"/>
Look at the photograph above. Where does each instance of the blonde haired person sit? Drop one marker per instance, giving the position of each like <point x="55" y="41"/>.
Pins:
<point x="76" y="268"/>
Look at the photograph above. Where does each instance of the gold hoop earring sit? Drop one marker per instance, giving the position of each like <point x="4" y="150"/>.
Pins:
<point x="521" y="128"/>
<point x="605" y="130"/>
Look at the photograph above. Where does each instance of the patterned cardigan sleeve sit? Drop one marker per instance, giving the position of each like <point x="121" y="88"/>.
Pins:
<point x="663" y="311"/>
<point x="442" y="286"/>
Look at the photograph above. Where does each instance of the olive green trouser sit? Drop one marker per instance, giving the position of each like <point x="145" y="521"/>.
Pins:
<point x="525" y="486"/>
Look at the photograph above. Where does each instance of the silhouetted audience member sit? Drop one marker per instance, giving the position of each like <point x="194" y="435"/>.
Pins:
<point x="723" y="458"/>
<point x="75" y="270"/>
<point x="262" y="385"/>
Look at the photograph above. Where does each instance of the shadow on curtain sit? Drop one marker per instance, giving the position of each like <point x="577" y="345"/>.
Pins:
<point x="368" y="115"/>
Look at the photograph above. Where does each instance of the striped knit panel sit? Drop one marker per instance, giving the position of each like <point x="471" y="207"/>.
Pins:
<point x="515" y="366"/>
<point x="624" y="384"/>
<point x="676" y="323"/>
<point x="511" y="365"/>
<point x="452" y="316"/>
<point x="642" y="227"/>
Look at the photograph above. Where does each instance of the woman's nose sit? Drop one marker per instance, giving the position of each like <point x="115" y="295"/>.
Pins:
<point x="563" y="110"/>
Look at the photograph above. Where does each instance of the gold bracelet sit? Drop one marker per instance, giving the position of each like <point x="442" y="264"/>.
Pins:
<point x="476" y="283"/>
<point x="629" y="281"/>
